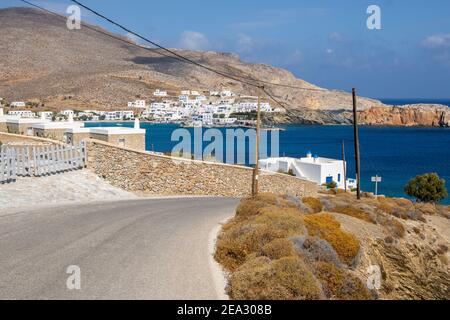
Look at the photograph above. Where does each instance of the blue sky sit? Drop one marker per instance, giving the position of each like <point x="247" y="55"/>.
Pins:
<point x="325" y="42"/>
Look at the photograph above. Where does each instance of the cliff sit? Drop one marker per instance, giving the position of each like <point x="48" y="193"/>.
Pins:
<point x="410" y="115"/>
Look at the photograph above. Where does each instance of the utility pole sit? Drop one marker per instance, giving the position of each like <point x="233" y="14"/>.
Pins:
<point x="356" y="139"/>
<point x="345" y="165"/>
<point x="256" y="169"/>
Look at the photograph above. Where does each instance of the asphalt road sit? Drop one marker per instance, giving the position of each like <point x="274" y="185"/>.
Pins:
<point x="137" y="249"/>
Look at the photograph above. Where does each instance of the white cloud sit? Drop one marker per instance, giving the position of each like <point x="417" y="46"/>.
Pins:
<point x="437" y="41"/>
<point x="336" y="36"/>
<point x="193" y="40"/>
<point x="132" y="38"/>
<point x="245" y="43"/>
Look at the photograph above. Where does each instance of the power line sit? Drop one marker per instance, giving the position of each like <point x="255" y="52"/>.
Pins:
<point x="180" y="56"/>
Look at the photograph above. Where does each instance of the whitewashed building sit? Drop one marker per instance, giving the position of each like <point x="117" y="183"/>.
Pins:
<point x="119" y="115"/>
<point x="138" y="104"/>
<point x="22" y="113"/>
<point x="316" y="169"/>
<point x="17" y="104"/>
<point x="45" y="114"/>
<point x="160" y="93"/>
<point x="68" y="112"/>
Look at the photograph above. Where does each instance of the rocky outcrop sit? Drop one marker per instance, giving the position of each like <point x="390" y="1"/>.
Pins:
<point x="410" y="115"/>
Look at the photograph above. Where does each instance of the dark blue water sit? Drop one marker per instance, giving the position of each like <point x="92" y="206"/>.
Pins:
<point x="397" y="154"/>
<point x="401" y="102"/>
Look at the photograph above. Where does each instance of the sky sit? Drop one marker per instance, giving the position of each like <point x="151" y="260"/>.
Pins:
<point x="325" y="42"/>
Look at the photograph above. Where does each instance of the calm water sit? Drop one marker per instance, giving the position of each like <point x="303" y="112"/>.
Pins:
<point x="395" y="153"/>
<point x="400" y="102"/>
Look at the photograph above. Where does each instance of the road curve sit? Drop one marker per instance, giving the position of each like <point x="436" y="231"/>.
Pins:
<point x="136" y="249"/>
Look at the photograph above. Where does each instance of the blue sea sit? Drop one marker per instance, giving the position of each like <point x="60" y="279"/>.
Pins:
<point x="401" y="102"/>
<point x="397" y="154"/>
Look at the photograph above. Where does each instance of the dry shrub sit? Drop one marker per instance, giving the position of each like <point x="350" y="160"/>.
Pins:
<point x="326" y="227"/>
<point x="340" y="284"/>
<point x="289" y="221"/>
<point x="385" y="207"/>
<point x="278" y="248"/>
<point x="284" y="279"/>
<point x="240" y="239"/>
<point x="394" y="227"/>
<point x="313" y="203"/>
<point x="316" y="249"/>
<point x="234" y="246"/>
<point x="426" y="208"/>
<point x="443" y="211"/>
<point x="252" y="206"/>
<point x="299" y="204"/>
<point x="356" y="213"/>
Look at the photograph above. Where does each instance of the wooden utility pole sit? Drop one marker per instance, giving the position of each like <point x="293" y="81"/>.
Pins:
<point x="345" y="165"/>
<point x="256" y="169"/>
<point x="356" y="139"/>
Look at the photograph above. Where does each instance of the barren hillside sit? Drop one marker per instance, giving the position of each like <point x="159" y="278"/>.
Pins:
<point x="44" y="61"/>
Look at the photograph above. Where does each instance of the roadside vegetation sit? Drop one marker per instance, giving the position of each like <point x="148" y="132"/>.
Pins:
<point x="281" y="247"/>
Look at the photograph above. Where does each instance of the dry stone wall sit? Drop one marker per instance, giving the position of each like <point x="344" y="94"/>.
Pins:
<point x="151" y="174"/>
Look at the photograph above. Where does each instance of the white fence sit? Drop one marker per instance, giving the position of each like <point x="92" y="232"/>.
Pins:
<point x="40" y="160"/>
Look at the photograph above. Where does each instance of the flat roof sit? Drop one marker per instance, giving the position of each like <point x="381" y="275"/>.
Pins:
<point x="25" y="120"/>
<point x="58" y="125"/>
<point x="116" y="130"/>
<point x="78" y="130"/>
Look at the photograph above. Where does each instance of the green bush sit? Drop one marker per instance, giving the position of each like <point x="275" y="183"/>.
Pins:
<point x="331" y="185"/>
<point x="427" y="188"/>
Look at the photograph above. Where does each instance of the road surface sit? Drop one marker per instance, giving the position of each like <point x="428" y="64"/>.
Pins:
<point x="133" y="249"/>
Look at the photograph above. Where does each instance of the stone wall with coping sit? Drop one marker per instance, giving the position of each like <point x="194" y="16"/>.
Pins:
<point x="21" y="140"/>
<point x="3" y="126"/>
<point x="151" y="174"/>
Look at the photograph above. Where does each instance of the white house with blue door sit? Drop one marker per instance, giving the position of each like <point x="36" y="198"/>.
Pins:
<point x="312" y="168"/>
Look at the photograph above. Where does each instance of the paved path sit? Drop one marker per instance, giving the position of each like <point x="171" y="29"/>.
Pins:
<point x="133" y="249"/>
<point x="69" y="187"/>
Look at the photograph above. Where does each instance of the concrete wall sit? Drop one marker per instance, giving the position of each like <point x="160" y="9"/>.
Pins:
<point x="76" y="138"/>
<point x="55" y="134"/>
<point x="132" y="141"/>
<point x="3" y="126"/>
<point x="138" y="171"/>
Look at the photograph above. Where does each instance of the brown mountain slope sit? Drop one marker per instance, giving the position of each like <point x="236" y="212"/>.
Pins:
<point x="44" y="61"/>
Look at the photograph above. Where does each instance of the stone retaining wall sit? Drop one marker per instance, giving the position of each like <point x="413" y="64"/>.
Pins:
<point x="151" y="174"/>
<point x="22" y="140"/>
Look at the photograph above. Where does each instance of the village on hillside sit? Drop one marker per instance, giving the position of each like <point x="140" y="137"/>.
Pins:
<point x="191" y="108"/>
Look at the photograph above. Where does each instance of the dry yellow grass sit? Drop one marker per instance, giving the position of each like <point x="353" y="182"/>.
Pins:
<point x="279" y="248"/>
<point x="313" y="203"/>
<point x="284" y="279"/>
<point x="354" y="212"/>
<point x="252" y="206"/>
<point x="326" y="227"/>
<point x="340" y="284"/>
<point x="241" y="238"/>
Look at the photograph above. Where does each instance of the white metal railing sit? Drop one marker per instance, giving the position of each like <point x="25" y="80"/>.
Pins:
<point x="40" y="160"/>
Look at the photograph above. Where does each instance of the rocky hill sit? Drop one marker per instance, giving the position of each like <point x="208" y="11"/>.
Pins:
<point x="43" y="61"/>
<point x="333" y="247"/>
